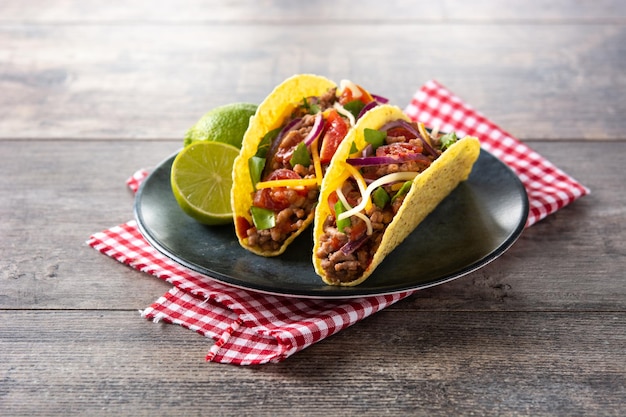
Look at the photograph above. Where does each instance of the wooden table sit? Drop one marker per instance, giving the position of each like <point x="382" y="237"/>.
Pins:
<point x="91" y="91"/>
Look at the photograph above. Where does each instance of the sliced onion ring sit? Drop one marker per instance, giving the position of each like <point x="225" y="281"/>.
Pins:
<point x="380" y="99"/>
<point x="353" y="245"/>
<point x="315" y="131"/>
<point x="369" y="106"/>
<point x="389" y="178"/>
<point x="406" y="125"/>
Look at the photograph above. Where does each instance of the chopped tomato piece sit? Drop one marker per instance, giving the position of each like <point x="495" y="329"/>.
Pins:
<point x="277" y="198"/>
<point x="241" y="227"/>
<point x="332" y="200"/>
<point x="400" y="131"/>
<point x="347" y="96"/>
<point x="336" y="130"/>
<point x="283" y="174"/>
<point x="358" y="229"/>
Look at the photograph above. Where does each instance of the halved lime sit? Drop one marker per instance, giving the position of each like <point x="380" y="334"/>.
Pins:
<point x="201" y="179"/>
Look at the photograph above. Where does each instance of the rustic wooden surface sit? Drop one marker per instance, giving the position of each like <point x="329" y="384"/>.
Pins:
<point x="91" y="91"/>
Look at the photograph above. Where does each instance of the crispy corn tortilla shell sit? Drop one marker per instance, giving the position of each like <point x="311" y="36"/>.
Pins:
<point x="270" y="115"/>
<point x="429" y="188"/>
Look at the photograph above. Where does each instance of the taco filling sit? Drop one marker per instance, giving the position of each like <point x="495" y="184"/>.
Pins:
<point x="290" y="161"/>
<point x="370" y="192"/>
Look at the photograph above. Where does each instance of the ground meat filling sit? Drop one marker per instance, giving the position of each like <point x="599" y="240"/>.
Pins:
<point x="346" y="255"/>
<point x="291" y="205"/>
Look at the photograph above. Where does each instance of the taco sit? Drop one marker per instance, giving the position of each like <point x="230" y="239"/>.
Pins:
<point x="385" y="178"/>
<point x="285" y="151"/>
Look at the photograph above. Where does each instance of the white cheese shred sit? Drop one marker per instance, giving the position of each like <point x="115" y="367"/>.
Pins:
<point x="345" y="113"/>
<point x="396" y="176"/>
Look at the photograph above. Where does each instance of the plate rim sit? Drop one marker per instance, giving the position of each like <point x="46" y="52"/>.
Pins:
<point x="332" y="292"/>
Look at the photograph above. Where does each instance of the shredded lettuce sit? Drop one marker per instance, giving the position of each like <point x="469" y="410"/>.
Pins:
<point x="300" y="156"/>
<point x="311" y="108"/>
<point x="354" y="107"/>
<point x="447" y="140"/>
<point x="256" y="166"/>
<point x="266" y="142"/>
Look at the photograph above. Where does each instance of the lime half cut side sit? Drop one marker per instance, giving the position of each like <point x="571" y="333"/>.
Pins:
<point x="201" y="179"/>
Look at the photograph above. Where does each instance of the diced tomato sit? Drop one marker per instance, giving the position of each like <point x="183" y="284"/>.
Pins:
<point x="241" y="227"/>
<point x="336" y="130"/>
<point x="347" y="96"/>
<point x="400" y="131"/>
<point x="332" y="200"/>
<point x="358" y="229"/>
<point x="276" y="199"/>
<point x="283" y="174"/>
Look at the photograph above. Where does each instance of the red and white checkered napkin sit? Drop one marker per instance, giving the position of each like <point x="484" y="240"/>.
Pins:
<point x="548" y="188"/>
<point x="248" y="327"/>
<point x="252" y="328"/>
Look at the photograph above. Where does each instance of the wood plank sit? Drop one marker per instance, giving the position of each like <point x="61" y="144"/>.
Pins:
<point x="55" y="194"/>
<point x="154" y="81"/>
<point x="436" y="364"/>
<point x="279" y="11"/>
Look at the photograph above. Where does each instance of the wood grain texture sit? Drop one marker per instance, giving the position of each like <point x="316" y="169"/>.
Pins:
<point x="136" y="80"/>
<point x="505" y="364"/>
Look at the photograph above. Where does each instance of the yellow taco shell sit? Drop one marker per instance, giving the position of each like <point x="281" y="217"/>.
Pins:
<point x="270" y="115"/>
<point x="429" y="188"/>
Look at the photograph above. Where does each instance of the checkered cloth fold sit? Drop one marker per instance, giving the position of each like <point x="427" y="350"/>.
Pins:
<point x="252" y="328"/>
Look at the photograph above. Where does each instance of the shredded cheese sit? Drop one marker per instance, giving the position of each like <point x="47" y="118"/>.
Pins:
<point x="424" y="133"/>
<point x="360" y="182"/>
<point x="344" y="201"/>
<point x="396" y="176"/>
<point x="337" y="183"/>
<point x="345" y="113"/>
<point x="306" y="182"/>
<point x="356" y="91"/>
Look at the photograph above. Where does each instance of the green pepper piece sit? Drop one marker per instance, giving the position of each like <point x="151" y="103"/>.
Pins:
<point x="300" y="156"/>
<point x="256" y="165"/>
<point x="403" y="190"/>
<point x="262" y="218"/>
<point x="380" y="197"/>
<point x="354" y="107"/>
<point x="447" y="140"/>
<point x="310" y="108"/>
<point x="341" y="224"/>
<point x="353" y="148"/>
<point x="374" y="137"/>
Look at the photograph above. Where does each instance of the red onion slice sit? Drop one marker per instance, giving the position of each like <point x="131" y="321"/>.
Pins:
<point x="318" y="126"/>
<point x="353" y="245"/>
<point x="369" y="106"/>
<point x="406" y="125"/>
<point x="278" y="139"/>
<point x="380" y="99"/>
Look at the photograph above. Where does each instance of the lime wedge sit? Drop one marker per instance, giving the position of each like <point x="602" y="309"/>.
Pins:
<point x="201" y="179"/>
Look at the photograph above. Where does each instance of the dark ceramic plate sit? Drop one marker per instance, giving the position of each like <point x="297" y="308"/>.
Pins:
<point x="474" y="225"/>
